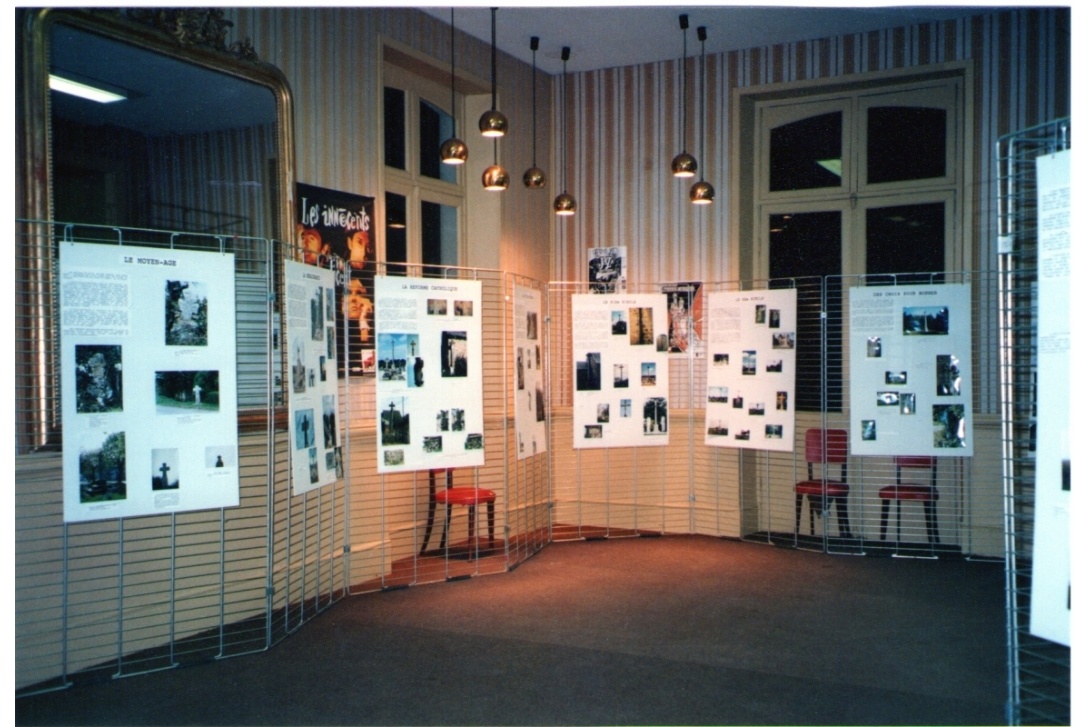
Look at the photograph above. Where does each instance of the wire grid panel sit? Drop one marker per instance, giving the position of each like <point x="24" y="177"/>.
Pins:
<point x="1039" y="684"/>
<point x="622" y="491"/>
<point x="398" y="535"/>
<point x="126" y="596"/>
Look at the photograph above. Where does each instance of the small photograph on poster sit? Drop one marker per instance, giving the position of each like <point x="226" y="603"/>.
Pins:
<point x="781" y="401"/>
<point x="531" y="325"/>
<point x="774" y="318"/>
<point x="738" y="402"/>
<point x="720" y="359"/>
<point x="775" y="366"/>
<point x="395" y="421"/>
<point x="393" y="457"/>
<point x="397" y="355"/>
<point x="588" y="373"/>
<point x="437" y="306"/>
<point x="330" y="306"/>
<point x="868" y="429"/>
<point x="888" y="398"/>
<point x="298" y="367"/>
<point x="757" y="409"/>
<point x="641" y="328"/>
<point x="742" y="435"/>
<point x="874" y="347"/>
<point x="186" y="305"/>
<point x="164" y="469"/>
<point x="648" y="374"/>
<point x="947" y="375"/>
<point x="749" y="362"/>
<point x="655" y="416"/>
<point x="926" y="320"/>
<point x="186" y="391"/>
<point x="603" y="413"/>
<point x="626" y="408"/>
<point x="455" y="353"/>
<point x="606" y="269"/>
<point x="433" y="444"/>
<point x="619" y="323"/>
<point x="98" y="379"/>
<point x="620" y="376"/>
<point x="896" y="378"/>
<point x="719" y="394"/>
<point x="331" y="343"/>
<point x="949" y="425"/>
<point x="908" y="404"/>
<point x="219" y="458"/>
<point x="784" y="340"/>
<point x="474" y="441"/>
<point x="759" y="314"/>
<point x="329" y="421"/>
<point x="317" y="315"/>
<point x="718" y="429"/>
<point x="312" y="465"/>
<point x="463" y="308"/>
<point x="773" y="431"/>
<point x="592" y="431"/>
<point x="102" y="467"/>
<point x="457" y="419"/>
<point x="304" y="428"/>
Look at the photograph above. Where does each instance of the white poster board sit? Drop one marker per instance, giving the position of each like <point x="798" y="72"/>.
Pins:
<point x="529" y="374"/>
<point x="750" y="394"/>
<point x="429" y="392"/>
<point x="313" y="409"/>
<point x="911" y="370"/>
<point x="620" y="370"/>
<point x="148" y="384"/>
<point x="1050" y="599"/>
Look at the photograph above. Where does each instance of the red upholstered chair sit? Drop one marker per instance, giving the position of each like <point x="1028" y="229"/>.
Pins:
<point x="928" y="494"/>
<point x="825" y="447"/>
<point x="450" y="496"/>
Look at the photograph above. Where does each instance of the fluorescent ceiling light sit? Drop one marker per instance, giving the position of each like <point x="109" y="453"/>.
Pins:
<point x="831" y="165"/>
<point x="91" y="93"/>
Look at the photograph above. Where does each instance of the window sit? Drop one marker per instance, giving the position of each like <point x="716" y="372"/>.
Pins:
<point x="424" y="198"/>
<point x="863" y="181"/>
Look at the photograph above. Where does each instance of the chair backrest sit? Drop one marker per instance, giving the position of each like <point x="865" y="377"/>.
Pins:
<point x="909" y="461"/>
<point x="826" y="445"/>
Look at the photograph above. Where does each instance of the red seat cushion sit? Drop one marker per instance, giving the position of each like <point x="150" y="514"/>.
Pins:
<point x="909" y="492"/>
<point x="465" y="496"/>
<point x="822" y="487"/>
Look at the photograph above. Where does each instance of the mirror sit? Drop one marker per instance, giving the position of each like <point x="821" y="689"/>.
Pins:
<point x="197" y="138"/>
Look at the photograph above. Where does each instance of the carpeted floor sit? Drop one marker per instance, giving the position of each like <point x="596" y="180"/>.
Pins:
<point x="674" y="630"/>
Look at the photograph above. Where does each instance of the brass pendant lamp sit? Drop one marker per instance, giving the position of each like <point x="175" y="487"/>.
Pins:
<point x="493" y="123"/>
<point x="684" y="164"/>
<point x="534" y="177"/>
<point x="702" y="192"/>
<point x="564" y="204"/>
<point x="453" y="150"/>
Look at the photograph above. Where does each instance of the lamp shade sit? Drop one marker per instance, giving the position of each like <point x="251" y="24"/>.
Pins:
<point x="534" y="178"/>
<point x="564" y="204"/>
<point x="684" y="165"/>
<point x="493" y="123"/>
<point x="495" y="178"/>
<point x="702" y="193"/>
<point x="454" y="151"/>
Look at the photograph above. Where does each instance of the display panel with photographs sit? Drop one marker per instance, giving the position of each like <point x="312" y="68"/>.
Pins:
<point x="751" y="369"/>
<point x="148" y="388"/>
<point x="685" y="307"/>
<point x="313" y="397"/>
<point x="620" y="345"/>
<point x="529" y="361"/>
<point x="428" y="383"/>
<point x="332" y="223"/>
<point x="607" y="270"/>
<point x="910" y="370"/>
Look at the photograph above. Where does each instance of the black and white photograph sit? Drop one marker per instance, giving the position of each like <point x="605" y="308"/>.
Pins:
<point x="165" y="474"/>
<point x="455" y="355"/>
<point x="185" y="303"/>
<point x="474" y="441"/>
<point x="592" y="431"/>
<point x="437" y="306"/>
<point x="433" y="444"/>
<point x="98" y="379"/>
<point x="588" y="373"/>
<point x="220" y="457"/>
<point x="102" y="467"/>
<point x="329" y="421"/>
<point x="179" y="392"/>
<point x="603" y="413"/>
<point x="656" y="416"/>
<point x="306" y="428"/>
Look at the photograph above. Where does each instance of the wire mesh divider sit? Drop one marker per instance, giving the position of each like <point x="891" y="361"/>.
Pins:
<point x="1039" y="678"/>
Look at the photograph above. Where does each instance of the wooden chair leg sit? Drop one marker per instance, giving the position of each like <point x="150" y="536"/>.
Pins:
<point x="885" y="518"/>
<point x="932" y="522"/>
<point x="898" y="522"/>
<point x="472" y="523"/>
<point x="430" y="525"/>
<point x="842" y="523"/>
<point x="446" y="529"/>
<point x="798" y="511"/>
<point x="491" y="524"/>
<point x="810" y="509"/>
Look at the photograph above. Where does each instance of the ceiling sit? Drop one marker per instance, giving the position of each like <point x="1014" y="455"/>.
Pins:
<point x="604" y="36"/>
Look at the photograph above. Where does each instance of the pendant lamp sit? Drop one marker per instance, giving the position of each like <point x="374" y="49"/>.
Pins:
<point x="534" y="177"/>
<point x="493" y="123"/>
<point x="702" y="192"/>
<point x="684" y="164"/>
<point x="495" y="178"/>
<point x="564" y="204"/>
<point x="453" y="150"/>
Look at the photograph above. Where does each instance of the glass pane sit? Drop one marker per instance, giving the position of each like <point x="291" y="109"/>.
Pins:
<point x="907" y="239"/>
<point x="806" y="154"/>
<point x="803" y="249"/>
<point x="438" y="237"/>
<point x="394" y="110"/>
<point x="396" y="246"/>
<point x="436" y="126"/>
<point x="905" y="142"/>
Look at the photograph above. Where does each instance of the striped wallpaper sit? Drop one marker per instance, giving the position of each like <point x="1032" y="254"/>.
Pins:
<point x="623" y="127"/>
